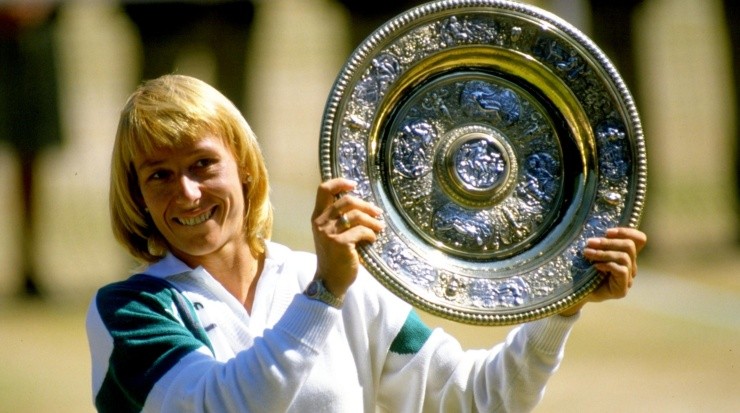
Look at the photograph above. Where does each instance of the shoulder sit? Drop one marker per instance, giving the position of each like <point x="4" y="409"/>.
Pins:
<point x="378" y="306"/>
<point x="146" y="304"/>
<point x="138" y="329"/>
<point x="367" y="287"/>
<point x="137" y="290"/>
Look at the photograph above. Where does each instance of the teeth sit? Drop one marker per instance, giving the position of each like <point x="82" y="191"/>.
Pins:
<point x="196" y="220"/>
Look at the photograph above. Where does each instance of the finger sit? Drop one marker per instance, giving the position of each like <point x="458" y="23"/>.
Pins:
<point x="348" y="203"/>
<point x="638" y="237"/>
<point x="600" y="249"/>
<point x="597" y="256"/>
<point x="357" y="235"/>
<point x="328" y="192"/>
<point x="358" y="217"/>
<point x="618" y="279"/>
<point x="613" y="244"/>
<point x="618" y="245"/>
<point x="614" y="270"/>
<point x="343" y="223"/>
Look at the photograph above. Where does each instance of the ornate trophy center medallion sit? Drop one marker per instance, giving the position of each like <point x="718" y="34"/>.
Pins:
<point x="497" y="139"/>
<point x="479" y="163"/>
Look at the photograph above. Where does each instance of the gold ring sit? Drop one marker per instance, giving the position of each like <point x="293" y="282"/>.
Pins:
<point x="344" y="221"/>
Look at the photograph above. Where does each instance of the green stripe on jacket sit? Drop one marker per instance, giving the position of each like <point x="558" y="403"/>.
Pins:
<point x="412" y="336"/>
<point x="153" y="327"/>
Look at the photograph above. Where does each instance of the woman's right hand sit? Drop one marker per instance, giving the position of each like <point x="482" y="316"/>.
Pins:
<point x="339" y="223"/>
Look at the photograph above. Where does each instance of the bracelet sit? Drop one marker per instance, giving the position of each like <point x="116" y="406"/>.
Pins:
<point x="317" y="291"/>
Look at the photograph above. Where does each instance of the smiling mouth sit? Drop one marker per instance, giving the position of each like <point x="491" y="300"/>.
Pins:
<point x="199" y="219"/>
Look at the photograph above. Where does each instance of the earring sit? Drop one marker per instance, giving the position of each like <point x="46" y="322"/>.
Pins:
<point x="154" y="247"/>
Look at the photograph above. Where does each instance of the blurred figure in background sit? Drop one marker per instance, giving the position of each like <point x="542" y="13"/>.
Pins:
<point x="613" y="30"/>
<point x="366" y="16"/>
<point x="168" y="29"/>
<point x="29" y="112"/>
<point x="732" y="16"/>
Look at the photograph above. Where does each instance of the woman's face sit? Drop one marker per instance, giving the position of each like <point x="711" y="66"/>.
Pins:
<point x="195" y="197"/>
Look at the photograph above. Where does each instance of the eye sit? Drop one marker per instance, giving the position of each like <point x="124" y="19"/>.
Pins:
<point x="159" y="175"/>
<point x="205" y="166"/>
<point x="205" y="162"/>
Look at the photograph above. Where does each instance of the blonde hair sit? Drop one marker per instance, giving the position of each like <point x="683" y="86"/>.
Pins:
<point x="167" y="112"/>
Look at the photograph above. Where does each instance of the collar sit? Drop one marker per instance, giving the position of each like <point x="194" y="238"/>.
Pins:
<point x="171" y="265"/>
<point x="167" y="266"/>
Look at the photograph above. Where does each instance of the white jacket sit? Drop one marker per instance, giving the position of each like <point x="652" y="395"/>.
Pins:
<point x="190" y="346"/>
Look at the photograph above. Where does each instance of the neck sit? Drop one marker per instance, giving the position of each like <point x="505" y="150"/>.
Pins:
<point x="238" y="271"/>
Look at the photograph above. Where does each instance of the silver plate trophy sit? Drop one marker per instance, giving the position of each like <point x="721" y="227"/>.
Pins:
<point x="497" y="138"/>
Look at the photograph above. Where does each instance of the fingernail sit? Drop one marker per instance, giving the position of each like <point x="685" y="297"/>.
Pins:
<point x="378" y="211"/>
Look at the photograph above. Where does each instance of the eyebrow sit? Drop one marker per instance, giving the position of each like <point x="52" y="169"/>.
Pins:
<point x="154" y="163"/>
<point x="151" y="164"/>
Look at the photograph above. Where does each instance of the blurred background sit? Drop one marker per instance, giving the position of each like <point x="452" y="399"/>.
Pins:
<point x="673" y="345"/>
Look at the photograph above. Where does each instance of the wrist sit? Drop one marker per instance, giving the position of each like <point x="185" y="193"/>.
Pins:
<point x="316" y="290"/>
<point x="573" y="310"/>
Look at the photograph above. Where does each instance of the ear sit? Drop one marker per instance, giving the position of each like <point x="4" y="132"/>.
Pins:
<point x="246" y="182"/>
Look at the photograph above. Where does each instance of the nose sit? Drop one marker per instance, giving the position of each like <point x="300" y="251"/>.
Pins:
<point x="189" y="189"/>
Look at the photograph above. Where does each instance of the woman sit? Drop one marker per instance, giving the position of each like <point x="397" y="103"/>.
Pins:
<point x="224" y="320"/>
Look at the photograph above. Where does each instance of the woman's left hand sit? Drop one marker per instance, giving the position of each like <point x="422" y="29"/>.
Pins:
<point x="340" y="222"/>
<point x="615" y="256"/>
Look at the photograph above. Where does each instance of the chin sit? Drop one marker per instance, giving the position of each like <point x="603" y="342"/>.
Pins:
<point x="196" y="251"/>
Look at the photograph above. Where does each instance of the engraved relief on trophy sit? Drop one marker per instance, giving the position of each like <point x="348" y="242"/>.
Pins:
<point x="475" y="163"/>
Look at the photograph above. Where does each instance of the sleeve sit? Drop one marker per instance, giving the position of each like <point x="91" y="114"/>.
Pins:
<point x="433" y="368"/>
<point x="145" y="358"/>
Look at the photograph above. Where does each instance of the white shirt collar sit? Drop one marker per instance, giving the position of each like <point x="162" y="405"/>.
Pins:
<point x="171" y="265"/>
